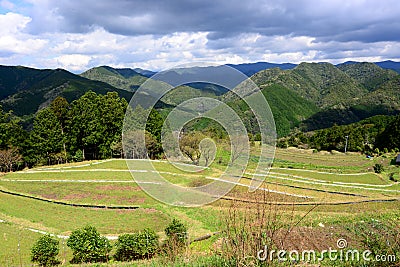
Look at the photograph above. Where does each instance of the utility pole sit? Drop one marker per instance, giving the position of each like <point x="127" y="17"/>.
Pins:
<point x="347" y="139"/>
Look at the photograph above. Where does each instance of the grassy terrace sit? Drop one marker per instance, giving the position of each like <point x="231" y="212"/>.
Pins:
<point x="298" y="177"/>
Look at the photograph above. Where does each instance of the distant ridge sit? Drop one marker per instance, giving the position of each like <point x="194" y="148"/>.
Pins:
<point x="26" y="90"/>
<point x="147" y="73"/>
<point x="252" y="68"/>
<point x="122" y="78"/>
<point x="388" y="64"/>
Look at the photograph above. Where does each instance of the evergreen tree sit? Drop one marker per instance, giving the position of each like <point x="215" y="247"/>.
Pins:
<point x="11" y="132"/>
<point x="112" y="113"/>
<point x="84" y="130"/>
<point x="154" y="124"/>
<point x="390" y="137"/>
<point x="60" y="107"/>
<point x="46" y="136"/>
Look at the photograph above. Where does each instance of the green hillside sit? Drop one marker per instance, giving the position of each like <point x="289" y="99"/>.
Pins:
<point x="368" y="74"/>
<point x="130" y="80"/>
<point x="25" y="90"/>
<point x="288" y="107"/>
<point x="380" y="131"/>
<point x="344" y="94"/>
<point x="327" y="84"/>
<point x="321" y="83"/>
<point x="182" y="93"/>
<point x="126" y="79"/>
<point x="310" y="96"/>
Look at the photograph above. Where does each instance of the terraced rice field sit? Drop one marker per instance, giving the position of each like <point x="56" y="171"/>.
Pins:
<point x="334" y="186"/>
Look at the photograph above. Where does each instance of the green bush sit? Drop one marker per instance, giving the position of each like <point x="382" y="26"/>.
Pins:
<point x="136" y="246"/>
<point x="392" y="177"/>
<point x="45" y="251"/>
<point x="176" y="231"/>
<point x="78" y="156"/>
<point x="88" y="246"/>
<point x="378" y="168"/>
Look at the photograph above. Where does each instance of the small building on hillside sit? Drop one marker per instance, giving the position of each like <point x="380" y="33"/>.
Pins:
<point x="398" y="159"/>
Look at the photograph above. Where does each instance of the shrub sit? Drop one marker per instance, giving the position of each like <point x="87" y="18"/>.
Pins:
<point x="176" y="231"/>
<point x="88" y="246"/>
<point x="378" y="168"/>
<point x="45" y="251"/>
<point x="78" y="156"/>
<point x="176" y="241"/>
<point x="392" y="178"/>
<point x="136" y="246"/>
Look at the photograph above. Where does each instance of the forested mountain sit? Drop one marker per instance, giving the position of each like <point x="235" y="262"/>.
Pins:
<point x="389" y="64"/>
<point x="73" y="117"/>
<point x="345" y="94"/>
<point x="252" y="68"/>
<point x="288" y="107"/>
<point x="127" y="79"/>
<point x="321" y="83"/>
<point x="26" y="90"/>
<point x="369" y="75"/>
<point x="130" y="80"/>
<point x="307" y="96"/>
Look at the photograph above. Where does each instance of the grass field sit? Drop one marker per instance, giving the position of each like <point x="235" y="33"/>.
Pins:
<point x="337" y="188"/>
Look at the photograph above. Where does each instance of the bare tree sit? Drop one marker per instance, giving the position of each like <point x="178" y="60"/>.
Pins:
<point x="239" y="145"/>
<point x="190" y="146"/>
<point x="208" y="150"/>
<point x="134" y="144"/>
<point x="8" y="159"/>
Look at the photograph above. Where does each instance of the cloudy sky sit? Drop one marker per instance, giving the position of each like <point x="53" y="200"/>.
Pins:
<point x="157" y="34"/>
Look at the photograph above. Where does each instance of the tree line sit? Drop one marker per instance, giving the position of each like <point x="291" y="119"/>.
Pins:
<point x="91" y="128"/>
<point x="371" y="136"/>
<point x="85" y="129"/>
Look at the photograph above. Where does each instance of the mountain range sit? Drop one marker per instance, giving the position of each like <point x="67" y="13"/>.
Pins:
<point x="26" y="90"/>
<point x="308" y="95"/>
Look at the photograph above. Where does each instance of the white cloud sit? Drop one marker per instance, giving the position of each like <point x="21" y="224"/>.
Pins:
<point x="79" y="35"/>
<point x="97" y="41"/>
<point x="13" y="22"/>
<point x="12" y="36"/>
<point x="74" y="62"/>
<point x="14" y="44"/>
<point x="292" y="57"/>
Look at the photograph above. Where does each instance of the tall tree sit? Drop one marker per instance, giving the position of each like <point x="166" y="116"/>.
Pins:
<point x="95" y="124"/>
<point x="11" y="132"/>
<point x="112" y="112"/>
<point x="60" y="107"/>
<point x="46" y="135"/>
<point x="83" y="125"/>
<point x="154" y="124"/>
